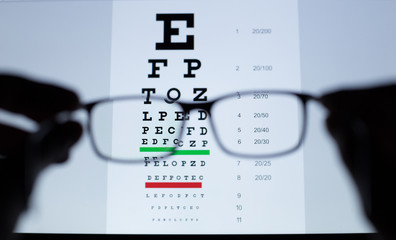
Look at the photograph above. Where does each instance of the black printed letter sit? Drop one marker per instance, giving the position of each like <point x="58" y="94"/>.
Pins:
<point x="169" y="31"/>
<point x="190" y="67"/>
<point x="154" y="73"/>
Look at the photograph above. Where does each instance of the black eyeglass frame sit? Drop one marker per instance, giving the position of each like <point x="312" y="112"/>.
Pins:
<point x="206" y="106"/>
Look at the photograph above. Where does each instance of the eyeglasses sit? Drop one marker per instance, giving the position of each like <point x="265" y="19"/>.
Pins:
<point x="249" y="124"/>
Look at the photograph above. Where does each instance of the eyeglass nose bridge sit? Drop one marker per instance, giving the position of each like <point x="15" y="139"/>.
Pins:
<point x="207" y="106"/>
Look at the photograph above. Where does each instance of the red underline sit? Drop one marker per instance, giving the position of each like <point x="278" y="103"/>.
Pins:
<point x="173" y="184"/>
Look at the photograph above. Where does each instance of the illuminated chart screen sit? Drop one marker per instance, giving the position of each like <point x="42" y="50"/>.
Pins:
<point x="205" y="123"/>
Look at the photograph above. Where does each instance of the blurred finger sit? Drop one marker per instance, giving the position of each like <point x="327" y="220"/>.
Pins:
<point x="361" y="101"/>
<point x="340" y="100"/>
<point x="36" y="100"/>
<point x="12" y="140"/>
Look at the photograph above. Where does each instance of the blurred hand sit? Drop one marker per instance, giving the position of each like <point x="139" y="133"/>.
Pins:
<point x="363" y="124"/>
<point x="18" y="167"/>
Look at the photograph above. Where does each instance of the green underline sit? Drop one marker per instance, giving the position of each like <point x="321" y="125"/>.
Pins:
<point x="176" y="152"/>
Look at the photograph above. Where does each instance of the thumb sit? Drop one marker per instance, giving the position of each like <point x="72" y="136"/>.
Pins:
<point x="56" y="144"/>
<point x="49" y="145"/>
<point x="340" y="129"/>
<point x="353" y="138"/>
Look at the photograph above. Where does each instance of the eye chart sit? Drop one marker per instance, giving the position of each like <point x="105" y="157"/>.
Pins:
<point x="195" y="52"/>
